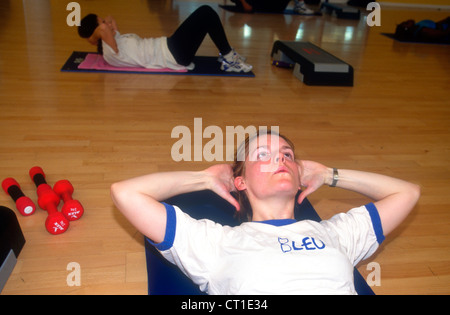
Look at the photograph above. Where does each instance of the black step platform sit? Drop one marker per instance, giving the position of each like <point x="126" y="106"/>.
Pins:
<point x="342" y="11"/>
<point x="313" y="65"/>
<point x="11" y="243"/>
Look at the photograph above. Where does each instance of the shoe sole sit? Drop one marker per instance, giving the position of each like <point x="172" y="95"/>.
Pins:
<point x="234" y="70"/>
<point x="231" y="70"/>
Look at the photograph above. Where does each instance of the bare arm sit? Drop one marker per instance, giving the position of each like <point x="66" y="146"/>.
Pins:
<point x="394" y="198"/>
<point x="139" y="198"/>
<point x="105" y="33"/>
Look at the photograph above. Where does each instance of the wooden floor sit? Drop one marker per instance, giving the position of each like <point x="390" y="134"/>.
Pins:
<point x="95" y="129"/>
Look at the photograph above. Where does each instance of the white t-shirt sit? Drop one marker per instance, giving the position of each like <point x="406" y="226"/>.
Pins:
<point x="135" y="51"/>
<point x="272" y="257"/>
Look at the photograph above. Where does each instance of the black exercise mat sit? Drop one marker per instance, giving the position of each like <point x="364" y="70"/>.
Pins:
<point x="392" y="36"/>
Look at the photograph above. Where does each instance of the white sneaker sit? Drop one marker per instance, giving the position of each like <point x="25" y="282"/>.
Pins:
<point x="220" y="58"/>
<point x="234" y="63"/>
<point x="301" y="8"/>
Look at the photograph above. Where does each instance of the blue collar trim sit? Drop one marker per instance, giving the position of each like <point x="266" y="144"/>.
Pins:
<point x="280" y="222"/>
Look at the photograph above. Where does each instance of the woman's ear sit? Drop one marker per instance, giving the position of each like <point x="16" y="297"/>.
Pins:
<point x="239" y="183"/>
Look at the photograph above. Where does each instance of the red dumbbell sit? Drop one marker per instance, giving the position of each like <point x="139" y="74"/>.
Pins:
<point x="56" y="222"/>
<point x="24" y="204"/>
<point x="72" y="209"/>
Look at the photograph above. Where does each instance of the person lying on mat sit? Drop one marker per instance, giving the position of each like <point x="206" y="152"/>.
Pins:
<point x="175" y="52"/>
<point x="272" y="6"/>
<point x="270" y="253"/>
<point x="424" y="31"/>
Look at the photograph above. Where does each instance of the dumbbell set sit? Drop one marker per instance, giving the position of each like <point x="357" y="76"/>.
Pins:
<point x="48" y="199"/>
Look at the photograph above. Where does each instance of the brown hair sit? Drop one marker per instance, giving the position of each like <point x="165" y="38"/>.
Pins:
<point x="246" y="212"/>
<point x="88" y="25"/>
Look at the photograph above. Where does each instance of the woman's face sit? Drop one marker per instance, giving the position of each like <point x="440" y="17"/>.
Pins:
<point x="270" y="169"/>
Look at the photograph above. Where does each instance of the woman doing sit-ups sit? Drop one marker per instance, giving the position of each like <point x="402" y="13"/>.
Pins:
<point x="174" y="52"/>
<point x="271" y="253"/>
<point x="424" y="31"/>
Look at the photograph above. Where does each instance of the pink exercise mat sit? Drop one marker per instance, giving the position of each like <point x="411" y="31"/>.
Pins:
<point x="97" y="62"/>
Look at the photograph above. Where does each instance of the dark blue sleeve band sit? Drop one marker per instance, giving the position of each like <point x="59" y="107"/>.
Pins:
<point x="376" y="222"/>
<point x="171" y="225"/>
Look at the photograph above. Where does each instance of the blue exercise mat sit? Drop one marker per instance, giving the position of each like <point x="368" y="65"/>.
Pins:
<point x="165" y="278"/>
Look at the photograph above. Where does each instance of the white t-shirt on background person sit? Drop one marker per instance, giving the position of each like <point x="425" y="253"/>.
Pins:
<point x="134" y="51"/>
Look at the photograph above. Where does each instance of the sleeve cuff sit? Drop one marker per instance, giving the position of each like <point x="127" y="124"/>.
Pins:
<point x="171" y="224"/>
<point x="376" y="222"/>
